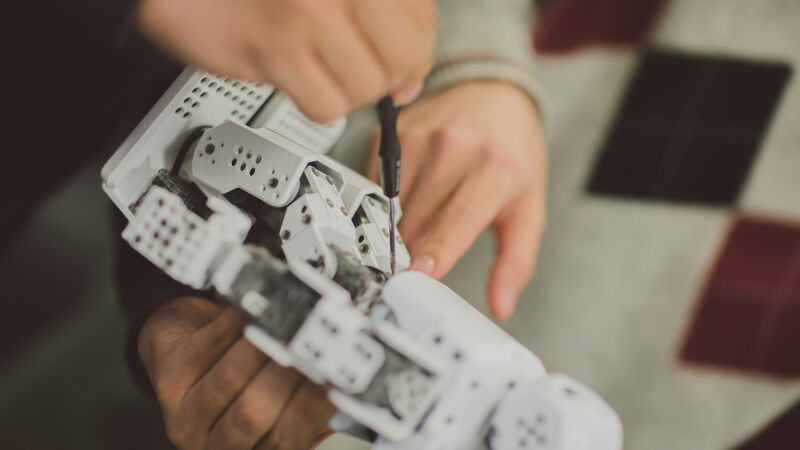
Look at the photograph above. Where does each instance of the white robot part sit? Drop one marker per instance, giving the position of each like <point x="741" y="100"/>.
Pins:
<point x="365" y="360"/>
<point x="260" y="162"/>
<point x="555" y="412"/>
<point x="179" y="241"/>
<point x="226" y="186"/>
<point x="315" y="221"/>
<point x="373" y="236"/>
<point x="434" y="316"/>
<point x="355" y="188"/>
<point x="282" y="116"/>
<point x="195" y="99"/>
<point x="274" y="170"/>
<point x="415" y="399"/>
<point x="334" y="341"/>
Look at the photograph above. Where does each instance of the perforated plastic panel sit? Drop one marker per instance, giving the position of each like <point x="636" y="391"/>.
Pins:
<point x="177" y="240"/>
<point x="283" y="117"/>
<point x="331" y="339"/>
<point x="260" y="162"/>
<point x="195" y="99"/>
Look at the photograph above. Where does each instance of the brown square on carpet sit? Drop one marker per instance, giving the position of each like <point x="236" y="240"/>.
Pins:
<point x="748" y="316"/>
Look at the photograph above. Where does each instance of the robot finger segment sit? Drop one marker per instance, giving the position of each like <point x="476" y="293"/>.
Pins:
<point x="179" y="241"/>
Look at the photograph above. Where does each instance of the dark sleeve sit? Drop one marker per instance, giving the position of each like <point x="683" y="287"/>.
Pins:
<point x="137" y="77"/>
<point x="141" y="288"/>
<point x="85" y="62"/>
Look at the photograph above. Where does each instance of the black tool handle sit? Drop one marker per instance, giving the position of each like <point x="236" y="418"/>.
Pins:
<point x="389" y="150"/>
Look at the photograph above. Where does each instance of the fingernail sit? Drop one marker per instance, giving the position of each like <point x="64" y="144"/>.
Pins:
<point x="506" y="299"/>
<point x="407" y="96"/>
<point x="423" y="264"/>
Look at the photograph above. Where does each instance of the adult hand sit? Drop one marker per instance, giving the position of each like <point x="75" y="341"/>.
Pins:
<point x="330" y="56"/>
<point x="217" y="391"/>
<point x="473" y="156"/>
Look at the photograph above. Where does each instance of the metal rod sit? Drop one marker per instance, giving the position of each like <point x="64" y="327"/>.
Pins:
<point x="392" y="237"/>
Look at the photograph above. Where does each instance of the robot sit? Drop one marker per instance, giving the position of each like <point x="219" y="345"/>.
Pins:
<point x="226" y="187"/>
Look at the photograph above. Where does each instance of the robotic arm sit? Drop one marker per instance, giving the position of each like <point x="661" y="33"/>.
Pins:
<point x="226" y="186"/>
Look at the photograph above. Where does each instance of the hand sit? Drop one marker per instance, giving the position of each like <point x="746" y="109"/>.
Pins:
<point x="330" y="56"/>
<point x="217" y="391"/>
<point x="473" y="156"/>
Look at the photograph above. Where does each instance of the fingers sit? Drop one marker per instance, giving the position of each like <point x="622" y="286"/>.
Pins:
<point x="210" y="396"/>
<point x="353" y="61"/>
<point x="518" y="234"/>
<point x="170" y="325"/>
<point x="473" y="207"/>
<point x="403" y="35"/>
<point x="447" y="162"/>
<point x="329" y="56"/>
<point x="177" y="371"/>
<point x="414" y="145"/>
<point x="255" y="410"/>
<point x="205" y="347"/>
<point x="308" y="81"/>
<point x="322" y="438"/>
<point x="303" y="420"/>
<point x="351" y="56"/>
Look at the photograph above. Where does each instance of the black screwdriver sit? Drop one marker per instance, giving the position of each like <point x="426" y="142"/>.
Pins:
<point x="389" y="152"/>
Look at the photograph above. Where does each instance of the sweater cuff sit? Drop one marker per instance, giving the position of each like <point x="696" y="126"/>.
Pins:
<point x="486" y="40"/>
<point x="456" y="69"/>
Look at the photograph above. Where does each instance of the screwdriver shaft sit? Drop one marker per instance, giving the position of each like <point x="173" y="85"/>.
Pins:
<point x="392" y="237"/>
<point x="389" y="153"/>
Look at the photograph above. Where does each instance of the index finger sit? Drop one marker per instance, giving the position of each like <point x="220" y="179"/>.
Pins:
<point x="473" y="207"/>
<point x="409" y="58"/>
<point x="303" y="421"/>
<point x="518" y="234"/>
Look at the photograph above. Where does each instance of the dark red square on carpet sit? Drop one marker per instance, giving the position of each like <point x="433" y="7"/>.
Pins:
<point x="748" y="316"/>
<point x="688" y="128"/>
<point x="567" y="25"/>
<point x="781" y="434"/>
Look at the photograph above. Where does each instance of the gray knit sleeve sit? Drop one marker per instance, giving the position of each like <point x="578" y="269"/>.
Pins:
<point x="486" y="39"/>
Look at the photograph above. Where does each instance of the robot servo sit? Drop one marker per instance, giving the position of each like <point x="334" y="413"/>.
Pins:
<point x="226" y="187"/>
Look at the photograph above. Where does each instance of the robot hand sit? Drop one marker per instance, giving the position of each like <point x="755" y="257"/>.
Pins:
<point x="244" y="202"/>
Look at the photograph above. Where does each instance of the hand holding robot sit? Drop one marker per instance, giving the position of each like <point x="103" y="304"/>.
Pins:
<point x="233" y="197"/>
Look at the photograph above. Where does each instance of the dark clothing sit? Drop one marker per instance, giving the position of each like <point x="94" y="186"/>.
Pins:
<point x="80" y="79"/>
